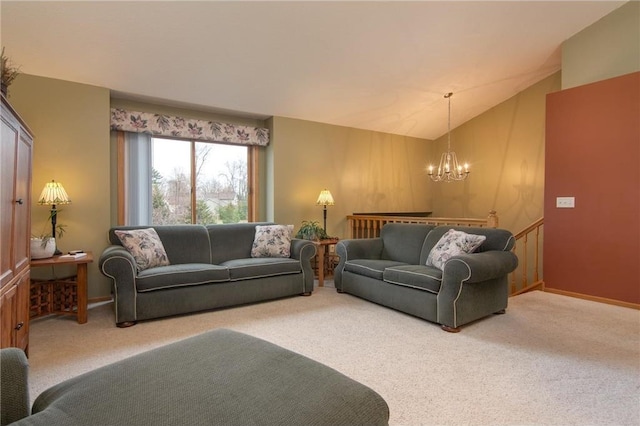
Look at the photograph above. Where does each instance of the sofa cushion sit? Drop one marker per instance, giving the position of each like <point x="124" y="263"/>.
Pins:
<point x="257" y="267"/>
<point x="180" y="275"/>
<point x="183" y="243"/>
<point x="422" y="277"/>
<point x="145" y="246"/>
<point x="272" y="241"/>
<point x="372" y="268"/>
<point x="232" y="240"/>
<point x="453" y="243"/>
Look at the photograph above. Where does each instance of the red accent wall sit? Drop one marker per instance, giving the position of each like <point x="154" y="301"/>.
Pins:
<point x="592" y="153"/>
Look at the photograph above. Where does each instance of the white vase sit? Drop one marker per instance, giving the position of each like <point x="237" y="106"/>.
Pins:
<point x="40" y="252"/>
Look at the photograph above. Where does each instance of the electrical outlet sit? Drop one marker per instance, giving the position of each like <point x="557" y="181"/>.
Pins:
<point x="565" y="202"/>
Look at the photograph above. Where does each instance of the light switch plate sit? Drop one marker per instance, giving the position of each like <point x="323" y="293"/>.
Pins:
<point x="565" y="202"/>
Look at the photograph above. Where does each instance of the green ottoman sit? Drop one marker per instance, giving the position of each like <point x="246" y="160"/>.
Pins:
<point x="219" y="377"/>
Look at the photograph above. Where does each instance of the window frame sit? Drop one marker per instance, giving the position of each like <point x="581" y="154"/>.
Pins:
<point x="252" y="177"/>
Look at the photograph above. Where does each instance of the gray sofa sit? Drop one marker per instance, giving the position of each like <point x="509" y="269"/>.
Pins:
<point x="391" y="270"/>
<point x="220" y="377"/>
<point x="210" y="267"/>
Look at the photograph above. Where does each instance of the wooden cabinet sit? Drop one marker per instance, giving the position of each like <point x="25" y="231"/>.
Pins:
<point x="15" y="228"/>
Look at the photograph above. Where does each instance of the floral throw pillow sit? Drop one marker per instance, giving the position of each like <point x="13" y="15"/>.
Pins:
<point x="453" y="243"/>
<point x="145" y="246"/>
<point x="272" y="241"/>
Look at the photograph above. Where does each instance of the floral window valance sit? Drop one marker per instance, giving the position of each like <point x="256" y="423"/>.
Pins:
<point x="166" y="125"/>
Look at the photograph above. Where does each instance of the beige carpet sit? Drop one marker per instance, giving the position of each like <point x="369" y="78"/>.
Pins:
<point x="551" y="360"/>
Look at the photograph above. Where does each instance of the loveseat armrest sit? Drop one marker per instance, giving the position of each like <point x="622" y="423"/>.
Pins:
<point x="362" y="248"/>
<point x="119" y="265"/>
<point x="304" y="251"/>
<point x="14" y="386"/>
<point x="473" y="286"/>
<point x="478" y="267"/>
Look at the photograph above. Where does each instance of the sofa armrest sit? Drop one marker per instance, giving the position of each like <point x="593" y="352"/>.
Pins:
<point x="365" y="248"/>
<point x="118" y="264"/>
<point x="304" y="251"/>
<point x="14" y="386"/>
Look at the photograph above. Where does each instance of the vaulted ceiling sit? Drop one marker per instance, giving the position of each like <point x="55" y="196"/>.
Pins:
<point x="382" y="66"/>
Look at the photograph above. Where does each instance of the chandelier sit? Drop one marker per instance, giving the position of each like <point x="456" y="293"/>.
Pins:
<point x="449" y="169"/>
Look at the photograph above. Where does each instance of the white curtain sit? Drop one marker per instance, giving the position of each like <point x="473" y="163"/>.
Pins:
<point x="138" y="172"/>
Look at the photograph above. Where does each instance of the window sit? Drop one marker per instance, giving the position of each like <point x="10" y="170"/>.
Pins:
<point x="159" y="175"/>
<point x="218" y="172"/>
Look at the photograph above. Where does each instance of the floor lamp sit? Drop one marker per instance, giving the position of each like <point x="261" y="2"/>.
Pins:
<point x="52" y="195"/>
<point x="325" y="199"/>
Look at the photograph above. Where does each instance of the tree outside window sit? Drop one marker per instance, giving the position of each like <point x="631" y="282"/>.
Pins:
<point x="218" y="173"/>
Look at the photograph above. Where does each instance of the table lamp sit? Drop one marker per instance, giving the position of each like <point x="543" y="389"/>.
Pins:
<point x="53" y="194"/>
<point x="325" y="199"/>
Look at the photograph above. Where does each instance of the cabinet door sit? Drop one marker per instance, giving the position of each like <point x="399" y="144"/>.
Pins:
<point x="8" y="167"/>
<point x="8" y="304"/>
<point x="21" y="203"/>
<point x="21" y="320"/>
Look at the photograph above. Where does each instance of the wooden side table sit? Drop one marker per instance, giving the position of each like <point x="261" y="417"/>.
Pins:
<point x="322" y="251"/>
<point x="65" y="296"/>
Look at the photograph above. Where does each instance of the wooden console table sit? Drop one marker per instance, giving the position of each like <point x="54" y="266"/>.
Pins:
<point x="322" y="256"/>
<point x="66" y="296"/>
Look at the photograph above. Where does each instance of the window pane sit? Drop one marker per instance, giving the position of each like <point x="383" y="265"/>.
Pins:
<point x="171" y="182"/>
<point x="221" y="183"/>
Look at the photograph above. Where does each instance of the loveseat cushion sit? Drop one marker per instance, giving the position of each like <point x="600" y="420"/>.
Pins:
<point x="258" y="267"/>
<point x="422" y="277"/>
<point x="373" y="268"/>
<point x="182" y="275"/>
<point x="403" y="242"/>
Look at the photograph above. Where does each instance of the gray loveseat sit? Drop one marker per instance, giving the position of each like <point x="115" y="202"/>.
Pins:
<point x="392" y="271"/>
<point x="210" y="267"/>
<point x="220" y="377"/>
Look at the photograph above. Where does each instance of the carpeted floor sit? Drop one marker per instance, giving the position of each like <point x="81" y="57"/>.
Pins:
<point x="551" y="360"/>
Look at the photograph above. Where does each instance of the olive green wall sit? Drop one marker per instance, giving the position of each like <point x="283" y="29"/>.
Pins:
<point x="608" y="48"/>
<point x="505" y="148"/>
<point x="70" y="122"/>
<point x="365" y="171"/>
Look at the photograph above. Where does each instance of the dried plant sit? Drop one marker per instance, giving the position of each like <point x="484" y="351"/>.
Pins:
<point x="9" y="71"/>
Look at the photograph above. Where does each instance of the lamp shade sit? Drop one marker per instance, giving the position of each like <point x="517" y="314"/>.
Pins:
<point x="53" y="193"/>
<point x="325" y="198"/>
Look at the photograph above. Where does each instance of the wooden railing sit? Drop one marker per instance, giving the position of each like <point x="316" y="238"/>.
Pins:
<point x="368" y="226"/>
<point x="528" y="275"/>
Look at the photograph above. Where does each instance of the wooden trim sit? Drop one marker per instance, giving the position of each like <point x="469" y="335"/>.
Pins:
<point x="369" y="226"/>
<point x="120" y="178"/>
<point x="593" y="298"/>
<point x="100" y="299"/>
<point x="252" y="183"/>
<point x="538" y="285"/>
<point x="193" y="184"/>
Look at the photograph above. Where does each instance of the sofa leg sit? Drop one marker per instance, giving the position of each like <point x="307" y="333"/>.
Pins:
<point x="126" y="324"/>
<point x="339" y="290"/>
<point x="306" y="294"/>
<point x="450" y="329"/>
<point x="500" y="312"/>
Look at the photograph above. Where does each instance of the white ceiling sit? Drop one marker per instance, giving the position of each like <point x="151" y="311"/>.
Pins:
<point x="383" y="66"/>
